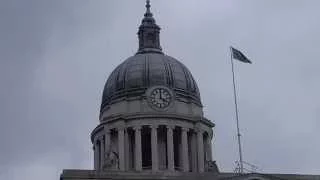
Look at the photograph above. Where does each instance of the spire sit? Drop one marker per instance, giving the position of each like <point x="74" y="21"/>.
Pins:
<point x="148" y="8"/>
<point x="149" y="33"/>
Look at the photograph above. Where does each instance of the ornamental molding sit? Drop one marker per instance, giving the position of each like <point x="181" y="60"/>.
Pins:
<point x="147" y="115"/>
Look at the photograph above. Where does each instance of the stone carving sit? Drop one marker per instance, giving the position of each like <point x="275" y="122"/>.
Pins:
<point x="111" y="160"/>
<point x="211" y="166"/>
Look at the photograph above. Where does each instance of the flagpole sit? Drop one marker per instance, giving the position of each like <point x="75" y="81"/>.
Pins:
<point x="236" y="111"/>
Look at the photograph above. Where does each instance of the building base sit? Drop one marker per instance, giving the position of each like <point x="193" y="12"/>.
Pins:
<point x="145" y="175"/>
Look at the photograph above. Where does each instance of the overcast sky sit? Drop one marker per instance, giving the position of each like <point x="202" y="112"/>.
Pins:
<point x="56" y="56"/>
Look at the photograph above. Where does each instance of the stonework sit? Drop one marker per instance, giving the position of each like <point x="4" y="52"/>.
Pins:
<point x="92" y="174"/>
<point x="152" y="124"/>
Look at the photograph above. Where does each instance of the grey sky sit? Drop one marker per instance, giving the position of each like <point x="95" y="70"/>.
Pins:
<point x="56" y="56"/>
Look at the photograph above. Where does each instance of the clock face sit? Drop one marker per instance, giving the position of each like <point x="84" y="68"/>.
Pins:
<point x="160" y="97"/>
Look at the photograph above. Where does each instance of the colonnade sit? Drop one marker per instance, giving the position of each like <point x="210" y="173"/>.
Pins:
<point x="182" y="149"/>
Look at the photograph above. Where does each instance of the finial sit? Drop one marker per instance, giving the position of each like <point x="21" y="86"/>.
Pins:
<point x="148" y="5"/>
<point x="149" y="39"/>
<point x="148" y="13"/>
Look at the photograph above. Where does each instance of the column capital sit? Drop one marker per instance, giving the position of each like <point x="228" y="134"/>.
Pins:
<point x="211" y="135"/>
<point x="200" y="131"/>
<point x="121" y="128"/>
<point x="154" y="126"/>
<point x="172" y="127"/>
<point x="137" y="128"/>
<point x="101" y="137"/>
<point x="185" y="129"/>
<point x="107" y="130"/>
<point x="95" y="139"/>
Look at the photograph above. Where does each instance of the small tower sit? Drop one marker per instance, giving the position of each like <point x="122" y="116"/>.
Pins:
<point x="149" y="33"/>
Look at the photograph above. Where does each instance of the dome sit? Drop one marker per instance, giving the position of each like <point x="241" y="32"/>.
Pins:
<point x="141" y="71"/>
<point x="149" y="67"/>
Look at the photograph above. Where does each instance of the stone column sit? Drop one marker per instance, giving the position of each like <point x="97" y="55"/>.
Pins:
<point x="170" y="152"/>
<point x="126" y="147"/>
<point x="209" y="145"/>
<point x="95" y="155"/>
<point x="107" y="140"/>
<point x="154" y="147"/>
<point x="185" y="157"/>
<point x="101" y="151"/>
<point x="200" y="151"/>
<point x="194" y="154"/>
<point x="97" y="160"/>
<point x="137" y="149"/>
<point x="121" y="149"/>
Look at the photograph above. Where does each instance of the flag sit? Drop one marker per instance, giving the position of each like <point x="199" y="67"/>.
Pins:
<point x="236" y="54"/>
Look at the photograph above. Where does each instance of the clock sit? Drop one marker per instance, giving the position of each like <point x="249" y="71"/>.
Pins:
<point x="160" y="97"/>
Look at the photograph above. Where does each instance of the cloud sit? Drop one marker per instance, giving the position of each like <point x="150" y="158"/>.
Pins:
<point x="57" y="55"/>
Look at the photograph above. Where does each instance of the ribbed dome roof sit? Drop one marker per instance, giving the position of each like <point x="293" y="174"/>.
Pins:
<point x="136" y="74"/>
<point x="149" y="67"/>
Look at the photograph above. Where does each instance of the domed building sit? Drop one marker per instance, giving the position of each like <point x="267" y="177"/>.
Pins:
<point x="151" y="123"/>
<point x="151" y="116"/>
